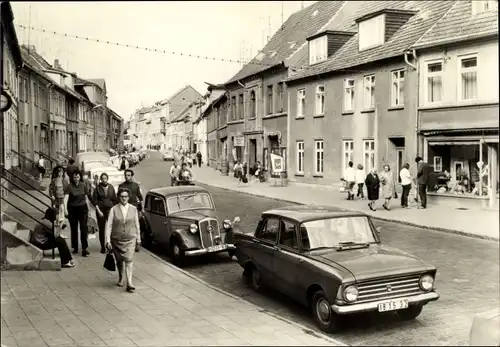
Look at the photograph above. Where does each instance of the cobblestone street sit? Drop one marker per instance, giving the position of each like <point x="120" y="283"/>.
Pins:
<point x="467" y="278"/>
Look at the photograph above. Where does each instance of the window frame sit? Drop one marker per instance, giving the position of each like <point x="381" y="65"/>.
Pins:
<point x="318" y="50"/>
<point x="380" y="32"/>
<point x="253" y="105"/>
<point x="432" y="74"/>
<point x="352" y="94"/>
<point x="350" y="151"/>
<point x="281" y="97"/>
<point x="320" y="100"/>
<point x="319" y="152"/>
<point x="300" y="156"/>
<point x="373" y="151"/>
<point x="461" y="70"/>
<point x="435" y="164"/>
<point x="241" y="107"/>
<point x="270" y="99"/>
<point x="400" y="87"/>
<point x="35" y="93"/>
<point x="369" y="82"/>
<point x="301" y="97"/>
<point x="263" y="226"/>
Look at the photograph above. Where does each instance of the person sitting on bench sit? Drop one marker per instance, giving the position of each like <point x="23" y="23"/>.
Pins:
<point x="43" y="238"/>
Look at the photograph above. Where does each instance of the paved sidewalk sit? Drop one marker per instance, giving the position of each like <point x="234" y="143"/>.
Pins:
<point x="83" y="307"/>
<point x="477" y="223"/>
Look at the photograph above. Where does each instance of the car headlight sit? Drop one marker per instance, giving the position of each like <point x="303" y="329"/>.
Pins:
<point x="426" y="283"/>
<point x="226" y="224"/>
<point x="351" y="293"/>
<point x="193" y="228"/>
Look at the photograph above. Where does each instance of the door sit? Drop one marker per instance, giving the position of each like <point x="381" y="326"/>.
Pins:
<point x="158" y="219"/>
<point x="252" y="154"/>
<point x="456" y="169"/>
<point x="266" y="248"/>
<point x="287" y="258"/>
<point x="400" y="152"/>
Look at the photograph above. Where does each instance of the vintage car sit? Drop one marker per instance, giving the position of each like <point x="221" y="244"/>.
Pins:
<point x="84" y="159"/>
<point x="335" y="263"/>
<point x="168" y="156"/>
<point x="183" y="220"/>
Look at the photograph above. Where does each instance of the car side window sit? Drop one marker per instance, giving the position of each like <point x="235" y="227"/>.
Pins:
<point x="147" y="205"/>
<point x="269" y="230"/>
<point x="157" y="205"/>
<point x="288" y="235"/>
<point x="304" y="238"/>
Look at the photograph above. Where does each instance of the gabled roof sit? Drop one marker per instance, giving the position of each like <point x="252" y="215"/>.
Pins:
<point x="99" y="82"/>
<point x="167" y="100"/>
<point x="459" y="24"/>
<point x="349" y="56"/>
<point x="290" y="37"/>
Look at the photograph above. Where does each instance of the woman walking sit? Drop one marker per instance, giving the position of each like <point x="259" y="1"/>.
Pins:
<point x="388" y="188"/>
<point x="57" y="187"/>
<point x="104" y="198"/>
<point x="122" y="235"/>
<point x="77" y="212"/>
<point x="406" y="179"/>
<point x="372" y="183"/>
<point x="360" y="181"/>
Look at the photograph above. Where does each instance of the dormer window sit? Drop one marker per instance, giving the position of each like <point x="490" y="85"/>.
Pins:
<point x="371" y="32"/>
<point x="318" y="50"/>
<point x="479" y="6"/>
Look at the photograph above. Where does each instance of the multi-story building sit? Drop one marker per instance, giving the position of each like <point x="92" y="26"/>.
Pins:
<point x="458" y="102"/>
<point x="356" y="99"/>
<point x="257" y="123"/>
<point x="183" y="127"/>
<point x="216" y="115"/>
<point x="12" y="63"/>
<point x="116" y="141"/>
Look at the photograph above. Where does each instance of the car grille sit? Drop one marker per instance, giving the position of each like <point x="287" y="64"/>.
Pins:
<point x="207" y="237"/>
<point x="388" y="288"/>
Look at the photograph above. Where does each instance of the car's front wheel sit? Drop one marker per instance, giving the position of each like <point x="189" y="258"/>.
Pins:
<point x="325" y="318"/>
<point x="410" y="313"/>
<point x="177" y="253"/>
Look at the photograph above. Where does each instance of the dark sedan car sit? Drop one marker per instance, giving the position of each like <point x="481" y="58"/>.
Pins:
<point x="335" y="263"/>
<point x="183" y="220"/>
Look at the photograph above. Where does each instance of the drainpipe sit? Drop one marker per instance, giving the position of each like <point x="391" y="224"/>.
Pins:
<point x="417" y="73"/>
<point x="49" y="99"/>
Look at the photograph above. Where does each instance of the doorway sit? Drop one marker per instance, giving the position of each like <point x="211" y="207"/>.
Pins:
<point x="400" y="152"/>
<point x="252" y="152"/>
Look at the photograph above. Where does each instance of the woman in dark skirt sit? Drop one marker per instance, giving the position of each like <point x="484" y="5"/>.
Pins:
<point x="104" y="198"/>
<point x="372" y="183"/>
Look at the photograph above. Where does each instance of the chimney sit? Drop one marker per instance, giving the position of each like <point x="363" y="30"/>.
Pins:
<point x="56" y="64"/>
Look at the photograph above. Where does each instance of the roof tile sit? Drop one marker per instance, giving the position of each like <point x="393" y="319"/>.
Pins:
<point x="349" y="56"/>
<point x="297" y="28"/>
<point x="460" y="24"/>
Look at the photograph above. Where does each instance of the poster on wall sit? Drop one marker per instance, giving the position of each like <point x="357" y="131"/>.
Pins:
<point x="239" y="141"/>
<point x="277" y="165"/>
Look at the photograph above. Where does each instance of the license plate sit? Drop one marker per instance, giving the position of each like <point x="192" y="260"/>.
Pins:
<point x="217" y="248"/>
<point x="392" y="305"/>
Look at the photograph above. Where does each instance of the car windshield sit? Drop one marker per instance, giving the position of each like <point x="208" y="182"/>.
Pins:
<point x="333" y="232"/>
<point x="189" y="201"/>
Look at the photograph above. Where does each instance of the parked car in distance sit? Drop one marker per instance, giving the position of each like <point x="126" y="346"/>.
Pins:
<point x="183" y="220"/>
<point x="85" y="160"/>
<point x="335" y="263"/>
<point x="168" y="156"/>
<point x="485" y="329"/>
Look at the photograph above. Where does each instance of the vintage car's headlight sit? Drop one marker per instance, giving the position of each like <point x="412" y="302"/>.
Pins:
<point x="426" y="282"/>
<point x="351" y="293"/>
<point x="226" y="224"/>
<point x="193" y="228"/>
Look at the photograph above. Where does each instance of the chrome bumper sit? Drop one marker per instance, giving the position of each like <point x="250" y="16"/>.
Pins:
<point x="196" y="252"/>
<point x="373" y="306"/>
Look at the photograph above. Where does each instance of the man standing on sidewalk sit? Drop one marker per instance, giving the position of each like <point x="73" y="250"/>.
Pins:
<point x="422" y="180"/>
<point x="350" y="177"/>
<point x="174" y="173"/>
<point x="198" y="158"/>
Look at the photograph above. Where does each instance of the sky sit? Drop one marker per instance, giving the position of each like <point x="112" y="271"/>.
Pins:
<point x="136" y="78"/>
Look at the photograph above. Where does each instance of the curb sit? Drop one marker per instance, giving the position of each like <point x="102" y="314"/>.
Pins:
<point x="261" y="309"/>
<point x="439" y="229"/>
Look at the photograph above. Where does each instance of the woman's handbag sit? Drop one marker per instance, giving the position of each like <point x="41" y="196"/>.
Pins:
<point x="395" y="195"/>
<point x="109" y="262"/>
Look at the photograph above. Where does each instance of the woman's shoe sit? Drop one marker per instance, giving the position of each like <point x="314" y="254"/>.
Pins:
<point x="85" y="253"/>
<point x="120" y="283"/>
<point x="385" y="206"/>
<point x="69" y="264"/>
<point x="130" y="289"/>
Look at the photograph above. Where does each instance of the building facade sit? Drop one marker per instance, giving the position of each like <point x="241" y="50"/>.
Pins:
<point x="458" y="103"/>
<point x="356" y="101"/>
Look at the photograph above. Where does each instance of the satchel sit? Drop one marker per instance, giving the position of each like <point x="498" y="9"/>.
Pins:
<point x="109" y="262"/>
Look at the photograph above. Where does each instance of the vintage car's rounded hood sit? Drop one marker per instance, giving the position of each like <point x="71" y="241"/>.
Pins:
<point x="375" y="261"/>
<point x="195" y="215"/>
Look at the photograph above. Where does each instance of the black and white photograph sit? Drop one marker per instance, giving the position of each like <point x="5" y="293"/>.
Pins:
<point x="249" y="173"/>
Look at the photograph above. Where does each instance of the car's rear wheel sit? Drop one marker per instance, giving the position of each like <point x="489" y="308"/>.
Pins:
<point x="177" y="253"/>
<point x="410" y="313"/>
<point x="325" y="318"/>
<point x="253" y="277"/>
